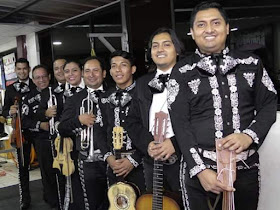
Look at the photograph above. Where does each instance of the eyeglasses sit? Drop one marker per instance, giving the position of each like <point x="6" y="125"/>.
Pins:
<point x="41" y="77"/>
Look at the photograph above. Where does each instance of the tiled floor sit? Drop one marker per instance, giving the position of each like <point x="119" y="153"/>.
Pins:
<point x="11" y="177"/>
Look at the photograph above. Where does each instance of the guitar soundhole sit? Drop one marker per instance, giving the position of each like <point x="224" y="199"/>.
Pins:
<point x="122" y="201"/>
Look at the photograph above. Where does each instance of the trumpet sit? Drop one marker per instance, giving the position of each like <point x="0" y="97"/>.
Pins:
<point x="52" y="102"/>
<point x="87" y="133"/>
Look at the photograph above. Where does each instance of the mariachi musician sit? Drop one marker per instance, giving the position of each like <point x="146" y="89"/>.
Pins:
<point x="80" y="114"/>
<point x="114" y="114"/>
<point x="19" y="89"/>
<point x="52" y="113"/>
<point x="36" y="131"/>
<point x="152" y="96"/>
<point x="74" y="84"/>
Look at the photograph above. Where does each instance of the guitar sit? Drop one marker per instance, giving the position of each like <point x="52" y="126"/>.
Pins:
<point x="226" y="170"/>
<point x="121" y="195"/>
<point x="158" y="201"/>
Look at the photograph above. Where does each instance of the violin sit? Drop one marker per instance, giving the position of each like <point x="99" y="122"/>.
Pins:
<point x="63" y="158"/>
<point x="17" y="138"/>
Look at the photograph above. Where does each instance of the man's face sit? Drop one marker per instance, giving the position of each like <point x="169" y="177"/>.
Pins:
<point x="210" y="31"/>
<point x="122" y="71"/>
<point x="22" y="71"/>
<point x="41" y="78"/>
<point x="163" y="51"/>
<point x="93" y="74"/>
<point x="73" y="74"/>
<point x="58" y="70"/>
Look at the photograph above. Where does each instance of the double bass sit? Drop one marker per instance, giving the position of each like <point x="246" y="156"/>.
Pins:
<point x="17" y="138"/>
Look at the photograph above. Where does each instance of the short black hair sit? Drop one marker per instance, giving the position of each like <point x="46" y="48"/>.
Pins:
<point x="123" y="54"/>
<point x="58" y="58"/>
<point x="22" y="60"/>
<point x="73" y="61"/>
<point x="100" y="60"/>
<point x="40" y="66"/>
<point x="179" y="47"/>
<point x="208" y="5"/>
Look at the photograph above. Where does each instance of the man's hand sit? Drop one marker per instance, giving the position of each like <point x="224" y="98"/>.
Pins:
<point x="111" y="160"/>
<point x="123" y="167"/>
<point x="51" y="112"/>
<point x="45" y="126"/>
<point x="13" y="109"/>
<point x="237" y="142"/>
<point x="161" y="151"/>
<point x="87" y="119"/>
<point x="208" y="180"/>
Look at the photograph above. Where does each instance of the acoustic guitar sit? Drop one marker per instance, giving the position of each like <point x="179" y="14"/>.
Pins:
<point x="158" y="201"/>
<point x="121" y="195"/>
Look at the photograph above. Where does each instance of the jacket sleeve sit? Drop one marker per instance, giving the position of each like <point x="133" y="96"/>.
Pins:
<point x="43" y="106"/>
<point x="265" y="106"/>
<point x="8" y="102"/>
<point x="29" y="122"/>
<point x="180" y="118"/>
<point x="139" y="135"/>
<point x="69" y="122"/>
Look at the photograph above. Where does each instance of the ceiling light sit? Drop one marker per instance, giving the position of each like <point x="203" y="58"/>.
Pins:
<point x="234" y="29"/>
<point x="57" y="43"/>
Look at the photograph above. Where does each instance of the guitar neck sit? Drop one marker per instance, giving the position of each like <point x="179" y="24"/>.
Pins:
<point x="157" y="185"/>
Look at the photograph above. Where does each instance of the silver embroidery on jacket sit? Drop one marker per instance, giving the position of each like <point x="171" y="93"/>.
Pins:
<point x="172" y="91"/>
<point x="250" y="78"/>
<point x="217" y="104"/>
<point x="187" y="67"/>
<point x="253" y="135"/>
<point x="194" y="84"/>
<point x="267" y="82"/>
<point x="234" y="102"/>
<point x="199" y="163"/>
<point x="206" y="64"/>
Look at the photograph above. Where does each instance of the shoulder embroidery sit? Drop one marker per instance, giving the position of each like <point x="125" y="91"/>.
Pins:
<point x="187" y="67"/>
<point x="247" y="61"/>
<point x="194" y="84"/>
<point x="267" y="82"/>
<point x="172" y="91"/>
<point x="250" y="78"/>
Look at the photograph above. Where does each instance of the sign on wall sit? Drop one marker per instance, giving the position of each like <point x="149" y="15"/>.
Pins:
<point x="9" y="68"/>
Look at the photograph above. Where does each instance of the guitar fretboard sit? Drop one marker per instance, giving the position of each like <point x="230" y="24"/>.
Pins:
<point x="157" y="185"/>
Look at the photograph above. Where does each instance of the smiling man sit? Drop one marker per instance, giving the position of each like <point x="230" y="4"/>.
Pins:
<point x="114" y="114"/>
<point x="19" y="90"/>
<point x="223" y="95"/>
<point x="79" y="125"/>
<point x="151" y="97"/>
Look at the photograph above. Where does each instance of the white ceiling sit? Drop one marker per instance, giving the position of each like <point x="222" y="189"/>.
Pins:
<point x="9" y="31"/>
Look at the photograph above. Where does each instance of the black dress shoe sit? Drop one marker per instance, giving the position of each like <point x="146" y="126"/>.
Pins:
<point x="24" y="206"/>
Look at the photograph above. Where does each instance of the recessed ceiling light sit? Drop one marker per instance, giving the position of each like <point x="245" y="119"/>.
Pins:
<point x="57" y="43"/>
<point x="234" y="29"/>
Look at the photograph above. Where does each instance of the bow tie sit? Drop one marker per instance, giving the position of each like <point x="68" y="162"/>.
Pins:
<point x="120" y="98"/>
<point x="21" y="87"/>
<point x="158" y="83"/>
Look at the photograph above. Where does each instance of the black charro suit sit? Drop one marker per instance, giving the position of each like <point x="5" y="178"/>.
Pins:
<point x="138" y="129"/>
<point x="91" y="191"/>
<point x="11" y="93"/>
<point x="57" y="187"/>
<point x="114" y="112"/>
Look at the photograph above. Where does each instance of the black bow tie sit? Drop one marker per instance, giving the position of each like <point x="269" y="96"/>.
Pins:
<point x="120" y="98"/>
<point x="74" y="89"/>
<point x="158" y="83"/>
<point x="22" y="84"/>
